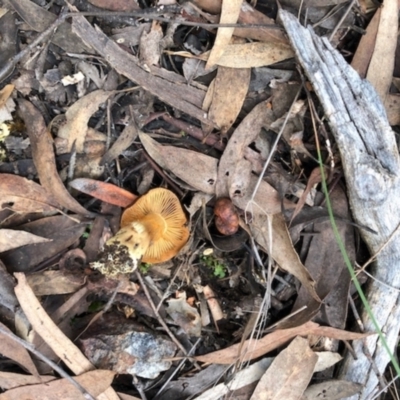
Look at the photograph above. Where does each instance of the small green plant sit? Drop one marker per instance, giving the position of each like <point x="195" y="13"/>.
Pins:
<point x="218" y="268"/>
<point x="144" y="268"/>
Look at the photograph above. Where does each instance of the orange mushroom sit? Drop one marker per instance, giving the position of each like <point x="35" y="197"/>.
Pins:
<point x="153" y="230"/>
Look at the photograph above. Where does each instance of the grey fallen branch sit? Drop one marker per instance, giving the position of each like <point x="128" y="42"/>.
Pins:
<point x="371" y="165"/>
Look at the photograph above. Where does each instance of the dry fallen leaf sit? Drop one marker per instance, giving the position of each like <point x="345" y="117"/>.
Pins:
<point x="234" y="179"/>
<point x="380" y="70"/>
<point x="365" y="49"/>
<point x="332" y="390"/>
<point x="11" y="239"/>
<point x="44" y="158"/>
<point x="62" y="231"/>
<point x="282" y="250"/>
<point x="95" y="382"/>
<point x="77" y="118"/>
<point x="124" y="140"/>
<point x="256" y="348"/>
<point x="149" y="45"/>
<point x="289" y="374"/>
<point x="326" y="359"/>
<point x="5" y="93"/>
<point x="24" y="196"/>
<point x="202" y="173"/>
<point x="248" y="55"/>
<point x="228" y="99"/>
<point x="229" y="15"/>
<point x="53" y="282"/>
<point x="104" y="191"/>
<point x="11" y="349"/>
<point x="10" y="380"/>
<point x="184" y="315"/>
<point x="48" y="330"/>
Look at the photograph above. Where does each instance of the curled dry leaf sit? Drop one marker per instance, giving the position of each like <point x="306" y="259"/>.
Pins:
<point x="186" y="316"/>
<point x="78" y="116"/>
<point x="44" y="158"/>
<point x="226" y="216"/>
<point x="104" y="191"/>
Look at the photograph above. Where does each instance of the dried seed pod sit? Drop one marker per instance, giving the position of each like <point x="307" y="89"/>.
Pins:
<point x="226" y="216"/>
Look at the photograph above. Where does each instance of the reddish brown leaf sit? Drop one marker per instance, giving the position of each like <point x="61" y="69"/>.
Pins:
<point x="104" y="191"/>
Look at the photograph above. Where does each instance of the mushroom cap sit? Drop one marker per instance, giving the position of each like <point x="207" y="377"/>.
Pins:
<point x="161" y="213"/>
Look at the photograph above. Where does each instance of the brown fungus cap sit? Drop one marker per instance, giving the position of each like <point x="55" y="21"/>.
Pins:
<point x="160" y="213"/>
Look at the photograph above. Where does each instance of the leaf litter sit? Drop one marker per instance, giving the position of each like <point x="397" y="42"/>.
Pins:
<point x="142" y="116"/>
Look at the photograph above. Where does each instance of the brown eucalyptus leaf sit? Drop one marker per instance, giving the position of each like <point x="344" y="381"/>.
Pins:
<point x="252" y="55"/>
<point x="9" y="380"/>
<point x="228" y="98"/>
<point x="11" y="239"/>
<point x="200" y="171"/>
<point x="289" y="374"/>
<point x="24" y="196"/>
<point x="282" y="250"/>
<point x="95" y="382"/>
<point x="244" y="134"/>
<point x="44" y="157"/>
<point x="256" y="348"/>
<point x="196" y="169"/>
<point x="11" y="349"/>
<point x="78" y="115"/>
<point x="229" y="15"/>
<point x="332" y="390"/>
<point x="62" y="231"/>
